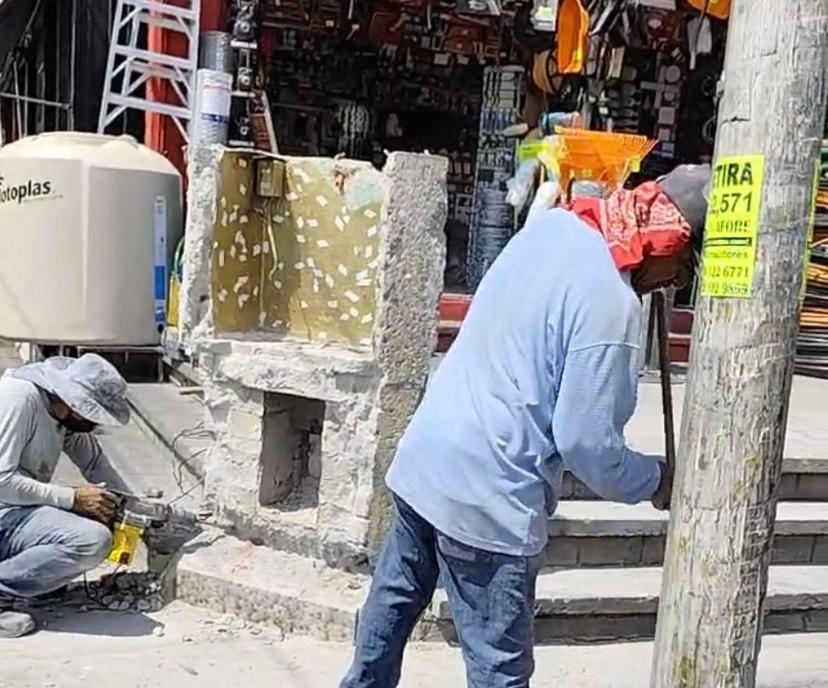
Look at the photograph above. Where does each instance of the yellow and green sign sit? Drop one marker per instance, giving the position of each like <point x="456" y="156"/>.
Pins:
<point x="732" y="227"/>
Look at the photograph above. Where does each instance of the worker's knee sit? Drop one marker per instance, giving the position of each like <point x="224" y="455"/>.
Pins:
<point x="91" y="542"/>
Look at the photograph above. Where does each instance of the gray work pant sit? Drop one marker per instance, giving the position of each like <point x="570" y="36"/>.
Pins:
<point x="43" y="548"/>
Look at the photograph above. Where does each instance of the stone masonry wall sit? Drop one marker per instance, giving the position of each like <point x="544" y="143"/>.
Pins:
<point x="369" y="387"/>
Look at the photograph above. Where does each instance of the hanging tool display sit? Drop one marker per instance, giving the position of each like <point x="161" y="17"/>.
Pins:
<point x="251" y="118"/>
<point x="493" y="219"/>
<point x="812" y="344"/>
<point x="244" y="28"/>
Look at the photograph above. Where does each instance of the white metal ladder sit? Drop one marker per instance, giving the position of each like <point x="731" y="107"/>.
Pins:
<point x="129" y="67"/>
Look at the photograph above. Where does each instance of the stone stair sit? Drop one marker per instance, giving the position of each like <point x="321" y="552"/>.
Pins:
<point x="590" y="534"/>
<point x="601" y="605"/>
<point x="601" y="578"/>
<point x="602" y="571"/>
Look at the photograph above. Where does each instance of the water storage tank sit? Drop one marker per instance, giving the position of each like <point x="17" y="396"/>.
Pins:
<point x="87" y="227"/>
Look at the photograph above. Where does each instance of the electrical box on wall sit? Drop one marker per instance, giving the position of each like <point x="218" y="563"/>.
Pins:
<point x="270" y="178"/>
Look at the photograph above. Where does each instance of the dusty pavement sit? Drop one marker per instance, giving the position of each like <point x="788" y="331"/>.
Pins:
<point x="183" y="647"/>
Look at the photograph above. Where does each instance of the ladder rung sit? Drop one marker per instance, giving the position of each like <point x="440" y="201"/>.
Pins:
<point x="169" y="24"/>
<point x="132" y="67"/>
<point x="148" y="106"/>
<point x="153" y="58"/>
<point x="164" y="8"/>
<point x="160" y="72"/>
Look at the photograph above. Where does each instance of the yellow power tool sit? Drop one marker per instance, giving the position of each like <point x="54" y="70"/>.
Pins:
<point x="134" y="519"/>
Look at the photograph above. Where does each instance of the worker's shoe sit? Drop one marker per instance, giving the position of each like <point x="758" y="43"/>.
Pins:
<point x="15" y="624"/>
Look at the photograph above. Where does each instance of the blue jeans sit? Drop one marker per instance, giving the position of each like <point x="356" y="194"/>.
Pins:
<point x="43" y="548"/>
<point x="491" y="596"/>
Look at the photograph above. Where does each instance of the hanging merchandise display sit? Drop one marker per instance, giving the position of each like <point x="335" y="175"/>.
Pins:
<point x="251" y="123"/>
<point x="543" y="72"/>
<point x="474" y="79"/>
<point x="720" y="9"/>
<point x="812" y="344"/>
<point x="215" y="51"/>
<point x="545" y="15"/>
<point x="245" y="20"/>
<point x="354" y="125"/>
<point x="493" y="221"/>
<point x="580" y="159"/>
<point x="487" y="7"/>
<point x="604" y="14"/>
<point x="573" y="31"/>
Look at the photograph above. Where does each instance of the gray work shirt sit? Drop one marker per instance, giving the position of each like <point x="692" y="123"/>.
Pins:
<point x="31" y="442"/>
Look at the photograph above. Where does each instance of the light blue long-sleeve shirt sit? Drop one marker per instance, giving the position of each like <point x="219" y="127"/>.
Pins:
<point x="542" y="376"/>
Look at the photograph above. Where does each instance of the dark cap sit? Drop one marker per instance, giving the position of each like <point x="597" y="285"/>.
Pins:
<point x="687" y="187"/>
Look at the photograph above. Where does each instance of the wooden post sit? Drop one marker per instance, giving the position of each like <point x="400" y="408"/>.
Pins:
<point x="736" y="403"/>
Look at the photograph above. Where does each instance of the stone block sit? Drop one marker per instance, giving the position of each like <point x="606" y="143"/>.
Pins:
<point x="610" y="551"/>
<point x="653" y="554"/>
<point x="812" y="487"/>
<point x="202" y="198"/>
<point x="816" y="621"/>
<point x="784" y="622"/>
<point x="792" y="549"/>
<point x="413" y="258"/>
<point x="593" y="628"/>
<point x="298" y="594"/>
<point x="788" y="486"/>
<point x="396" y="405"/>
<point x="820" y="553"/>
<point x="561" y="551"/>
<point x="244" y="425"/>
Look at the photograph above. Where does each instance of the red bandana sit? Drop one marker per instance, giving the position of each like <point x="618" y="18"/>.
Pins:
<point x="636" y="224"/>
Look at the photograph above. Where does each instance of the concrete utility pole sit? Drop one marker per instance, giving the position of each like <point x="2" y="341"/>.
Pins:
<point x="724" y="503"/>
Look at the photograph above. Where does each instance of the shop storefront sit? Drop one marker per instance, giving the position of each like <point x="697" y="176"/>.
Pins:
<point x="363" y="78"/>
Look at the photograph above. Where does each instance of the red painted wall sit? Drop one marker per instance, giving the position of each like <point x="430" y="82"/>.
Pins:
<point x="161" y="134"/>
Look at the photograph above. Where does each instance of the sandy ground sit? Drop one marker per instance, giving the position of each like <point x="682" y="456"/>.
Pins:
<point x="183" y="647"/>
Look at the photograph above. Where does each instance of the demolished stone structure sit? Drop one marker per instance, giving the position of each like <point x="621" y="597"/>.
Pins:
<point x="309" y="298"/>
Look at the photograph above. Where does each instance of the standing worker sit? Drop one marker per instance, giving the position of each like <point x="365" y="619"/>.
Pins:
<point x="50" y="534"/>
<point x="542" y="378"/>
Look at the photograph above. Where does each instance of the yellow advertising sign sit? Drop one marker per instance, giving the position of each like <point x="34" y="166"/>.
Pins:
<point x="732" y="227"/>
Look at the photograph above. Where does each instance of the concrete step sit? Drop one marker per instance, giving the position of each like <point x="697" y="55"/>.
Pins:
<point x="303" y="596"/>
<point x="298" y="594"/>
<point x="604" y="605"/>
<point x="802" y="480"/>
<point x="589" y="534"/>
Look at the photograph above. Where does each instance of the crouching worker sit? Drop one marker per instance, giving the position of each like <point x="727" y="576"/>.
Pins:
<point x="542" y="377"/>
<point x="50" y="534"/>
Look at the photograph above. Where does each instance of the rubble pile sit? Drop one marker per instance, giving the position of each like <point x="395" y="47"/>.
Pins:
<point x="128" y="591"/>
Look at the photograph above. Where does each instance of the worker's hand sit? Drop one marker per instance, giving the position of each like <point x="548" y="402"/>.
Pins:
<point x="95" y="502"/>
<point x="664" y="494"/>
